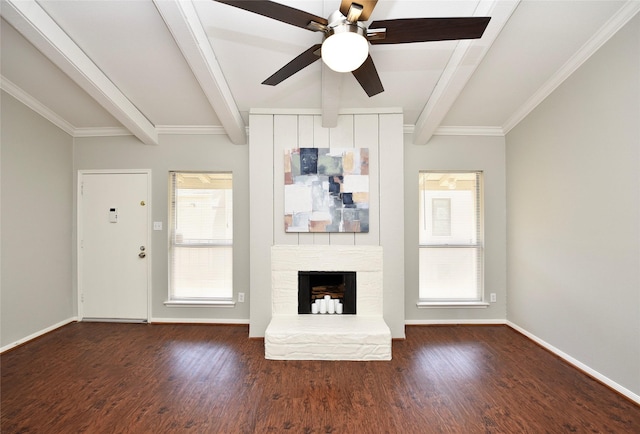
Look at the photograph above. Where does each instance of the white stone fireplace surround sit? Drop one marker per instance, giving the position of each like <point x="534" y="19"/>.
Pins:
<point x="364" y="336"/>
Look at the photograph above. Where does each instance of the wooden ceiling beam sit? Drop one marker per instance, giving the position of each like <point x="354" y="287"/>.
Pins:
<point x="28" y="17"/>
<point x="462" y="64"/>
<point x="184" y="24"/>
<point x="331" y="90"/>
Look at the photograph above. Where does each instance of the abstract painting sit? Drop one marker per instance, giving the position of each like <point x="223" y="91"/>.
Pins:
<point x="326" y="190"/>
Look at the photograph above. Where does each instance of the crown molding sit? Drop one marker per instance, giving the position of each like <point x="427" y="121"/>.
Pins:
<point x="101" y="132"/>
<point x="461" y="131"/>
<point x="160" y="129"/>
<point x="469" y="131"/>
<point x="191" y="129"/>
<point x="35" y="105"/>
<point x="44" y="111"/>
<point x="610" y="28"/>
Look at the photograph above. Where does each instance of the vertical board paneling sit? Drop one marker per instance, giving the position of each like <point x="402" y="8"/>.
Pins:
<point x="285" y="137"/>
<point x="261" y="221"/>
<point x="320" y="140"/>
<point x="366" y="136"/>
<point x="306" y="140"/>
<point x="305" y="131"/>
<point x="342" y="137"/>
<point x="392" y="219"/>
<point x="270" y="136"/>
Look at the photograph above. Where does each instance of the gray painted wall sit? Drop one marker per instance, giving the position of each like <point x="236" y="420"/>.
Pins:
<point x="36" y="240"/>
<point x="458" y="153"/>
<point x="187" y="153"/>
<point x="574" y="214"/>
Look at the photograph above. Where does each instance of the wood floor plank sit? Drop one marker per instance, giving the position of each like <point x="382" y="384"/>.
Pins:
<point x="135" y="378"/>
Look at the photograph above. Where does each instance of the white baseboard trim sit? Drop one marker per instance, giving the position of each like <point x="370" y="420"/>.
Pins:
<point x="38" y="333"/>
<point x="237" y="321"/>
<point x="577" y="364"/>
<point x="455" y="322"/>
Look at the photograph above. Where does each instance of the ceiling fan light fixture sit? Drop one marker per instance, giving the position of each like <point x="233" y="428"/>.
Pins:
<point x="346" y="48"/>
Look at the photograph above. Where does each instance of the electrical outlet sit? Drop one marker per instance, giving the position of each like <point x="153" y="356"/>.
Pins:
<point x="241" y="297"/>
<point x="493" y="297"/>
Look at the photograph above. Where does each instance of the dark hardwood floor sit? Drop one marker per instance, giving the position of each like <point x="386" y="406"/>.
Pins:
<point x="134" y="378"/>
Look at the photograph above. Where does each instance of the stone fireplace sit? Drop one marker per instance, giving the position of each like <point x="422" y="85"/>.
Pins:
<point x="362" y="335"/>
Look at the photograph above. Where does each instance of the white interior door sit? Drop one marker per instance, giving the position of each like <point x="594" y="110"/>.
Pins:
<point x="113" y="239"/>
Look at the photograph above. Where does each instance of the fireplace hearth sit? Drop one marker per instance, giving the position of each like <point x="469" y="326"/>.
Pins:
<point x="359" y="336"/>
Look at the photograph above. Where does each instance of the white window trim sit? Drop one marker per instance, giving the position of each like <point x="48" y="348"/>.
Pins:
<point x="452" y="304"/>
<point x="199" y="303"/>
<point x="473" y="304"/>
<point x="193" y="302"/>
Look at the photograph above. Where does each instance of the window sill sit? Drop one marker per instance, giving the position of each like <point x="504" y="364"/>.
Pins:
<point x="200" y="303"/>
<point x="452" y="304"/>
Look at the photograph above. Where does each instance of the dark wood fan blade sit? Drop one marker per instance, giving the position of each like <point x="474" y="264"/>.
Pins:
<point x="277" y="11"/>
<point x="368" y="77"/>
<point x="405" y="30"/>
<point x="367" y="8"/>
<point x="302" y="61"/>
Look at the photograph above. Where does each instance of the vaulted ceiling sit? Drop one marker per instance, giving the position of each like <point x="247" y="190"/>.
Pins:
<point x="148" y="67"/>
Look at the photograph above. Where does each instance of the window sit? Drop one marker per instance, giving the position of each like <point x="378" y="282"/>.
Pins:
<point x="201" y="237"/>
<point x="451" y="244"/>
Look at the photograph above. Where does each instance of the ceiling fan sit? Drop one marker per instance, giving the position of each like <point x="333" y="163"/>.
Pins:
<point x="345" y="47"/>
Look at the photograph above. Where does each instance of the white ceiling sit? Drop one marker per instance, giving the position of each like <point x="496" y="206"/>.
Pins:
<point x="145" y="67"/>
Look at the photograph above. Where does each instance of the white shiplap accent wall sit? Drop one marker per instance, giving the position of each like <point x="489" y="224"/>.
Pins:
<point x="270" y="134"/>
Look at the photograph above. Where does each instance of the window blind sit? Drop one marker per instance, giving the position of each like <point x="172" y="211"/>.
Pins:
<point x="201" y="237"/>
<point x="450" y="236"/>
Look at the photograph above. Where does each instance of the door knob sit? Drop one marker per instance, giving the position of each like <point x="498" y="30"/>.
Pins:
<point x="142" y="254"/>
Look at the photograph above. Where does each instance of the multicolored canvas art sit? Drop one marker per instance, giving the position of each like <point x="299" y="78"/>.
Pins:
<point x="326" y="190"/>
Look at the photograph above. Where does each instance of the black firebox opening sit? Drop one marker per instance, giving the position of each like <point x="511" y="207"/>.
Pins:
<point x="314" y="285"/>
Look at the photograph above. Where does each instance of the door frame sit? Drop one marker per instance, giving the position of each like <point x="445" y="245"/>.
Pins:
<point x="79" y="232"/>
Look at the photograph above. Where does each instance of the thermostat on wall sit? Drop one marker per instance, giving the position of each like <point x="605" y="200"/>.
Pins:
<point x="113" y="215"/>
